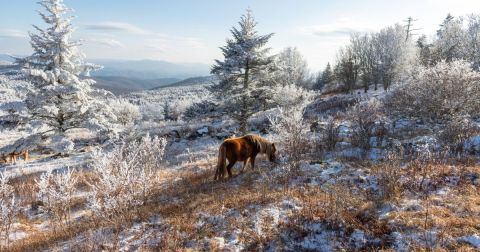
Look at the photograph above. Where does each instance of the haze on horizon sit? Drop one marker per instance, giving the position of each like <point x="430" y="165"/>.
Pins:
<point x="192" y="31"/>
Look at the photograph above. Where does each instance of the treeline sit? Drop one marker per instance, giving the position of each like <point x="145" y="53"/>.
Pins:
<point x="384" y="57"/>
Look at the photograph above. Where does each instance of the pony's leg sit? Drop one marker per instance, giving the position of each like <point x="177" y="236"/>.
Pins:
<point x="216" y="174"/>
<point x="252" y="163"/>
<point x="229" y="168"/>
<point x="244" y="165"/>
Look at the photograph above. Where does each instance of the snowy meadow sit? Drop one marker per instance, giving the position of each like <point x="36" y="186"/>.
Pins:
<point x="378" y="151"/>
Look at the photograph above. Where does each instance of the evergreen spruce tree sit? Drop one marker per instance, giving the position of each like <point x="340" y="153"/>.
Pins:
<point x="246" y="58"/>
<point x="326" y="78"/>
<point x="62" y="97"/>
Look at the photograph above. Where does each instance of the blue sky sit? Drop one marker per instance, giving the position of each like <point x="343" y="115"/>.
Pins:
<point x="192" y="30"/>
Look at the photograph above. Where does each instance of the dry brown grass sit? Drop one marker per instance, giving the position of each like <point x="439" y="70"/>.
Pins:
<point x="188" y="192"/>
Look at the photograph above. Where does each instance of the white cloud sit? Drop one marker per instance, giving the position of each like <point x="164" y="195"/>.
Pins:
<point x="107" y="42"/>
<point x="117" y="27"/>
<point x="156" y="45"/>
<point x="11" y="33"/>
<point x="341" y="27"/>
<point x="154" y="40"/>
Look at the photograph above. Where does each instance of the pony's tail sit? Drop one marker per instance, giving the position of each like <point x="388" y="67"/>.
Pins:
<point x="222" y="159"/>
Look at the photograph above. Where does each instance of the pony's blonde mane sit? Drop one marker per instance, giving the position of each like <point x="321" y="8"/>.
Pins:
<point x="263" y="145"/>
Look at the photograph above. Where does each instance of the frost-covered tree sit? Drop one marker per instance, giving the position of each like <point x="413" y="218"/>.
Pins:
<point x="242" y="70"/>
<point x="364" y="48"/>
<point x="347" y="68"/>
<point x="325" y="79"/>
<point x="450" y="42"/>
<point x="289" y="95"/>
<point x="424" y="51"/>
<point x="62" y="98"/>
<point x="392" y="53"/>
<point x="473" y="40"/>
<point x="292" y="68"/>
<point x="439" y="93"/>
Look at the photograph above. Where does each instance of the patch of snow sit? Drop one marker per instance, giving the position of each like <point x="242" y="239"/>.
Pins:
<point x="358" y="239"/>
<point x="269" y="213"/>
<point x="472" y="145"/>
<point x="46" y="164"/>
<point x="351" y="153"/>
<point x="202" y="131"/>
<point x="18" y="235"/>
<point x="411" y="205"/>
<point x="473" y="240"/>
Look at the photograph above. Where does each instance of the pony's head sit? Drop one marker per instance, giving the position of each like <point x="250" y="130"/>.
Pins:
<point x="272" y="153"/>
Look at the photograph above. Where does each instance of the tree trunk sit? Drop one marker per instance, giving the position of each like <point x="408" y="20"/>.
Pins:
<point x="244" y="110"/>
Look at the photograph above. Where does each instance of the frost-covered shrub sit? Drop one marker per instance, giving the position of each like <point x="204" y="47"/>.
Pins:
<point x="173" y="101"/>
<point x="363" y="117"/>
<point x="126" y="176"/>
<point x="151" y="111"/>
<point x="289" y="95"/>
<point x="441" y="92"/>
<point x="56" y="192"/>
<point x="330" y="136"/>
<point x="8" y="208"/>
<point x="456" y="133"/>
<point x="125" y="111"/>
<point x="199" y="109"/>
<point x="13" y="90"/>
<point x="291" y="130"/>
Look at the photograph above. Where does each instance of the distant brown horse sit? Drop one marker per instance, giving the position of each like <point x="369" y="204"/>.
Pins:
<point x="242" y="149"/>
<point x="12" y="157"/>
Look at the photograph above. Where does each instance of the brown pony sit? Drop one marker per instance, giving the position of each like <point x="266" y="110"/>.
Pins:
<point x="12" y="157"/>
<point x="242" y="149"/>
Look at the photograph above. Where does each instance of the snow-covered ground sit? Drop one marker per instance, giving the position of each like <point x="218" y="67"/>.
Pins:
<point x="332" y="203"/>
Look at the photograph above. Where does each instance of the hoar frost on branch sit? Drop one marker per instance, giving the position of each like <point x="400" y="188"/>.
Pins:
<point x="292" y="68"/>
<point x="125" y="112"/>
<point x="443" y="92"/>
<point x="289" y="125"/>
<point x="56" y="192"/>
<point x="126" y="176"/>
<point x="62" y="97"/>
<point x="8" y="207"/>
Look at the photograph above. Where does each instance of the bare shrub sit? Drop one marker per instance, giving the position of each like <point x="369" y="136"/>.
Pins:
<point x="8" y="208"/>
<point x="363" y="117"/>
<point x="441" y="92"/>
<point x="56" y="192"/>
<point x="126" y="176"/>
<point x="330" y="136"/>
<point x="388" y="175"/>
<point x="342" y="206"/>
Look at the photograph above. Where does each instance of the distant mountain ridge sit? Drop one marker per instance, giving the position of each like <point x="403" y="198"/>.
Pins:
<point x="121" y="85"/>
<point x="191" y="81"/>
<point x="123" y="76"/>
<point x="142" y="69"/>
<point x="150" y="69"/>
